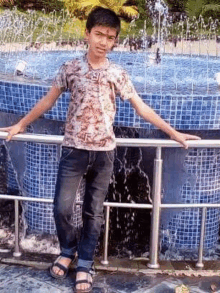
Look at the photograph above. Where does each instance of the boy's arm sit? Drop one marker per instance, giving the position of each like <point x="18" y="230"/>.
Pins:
<point x="40" y="108"/>
<point x="148" y="114"/>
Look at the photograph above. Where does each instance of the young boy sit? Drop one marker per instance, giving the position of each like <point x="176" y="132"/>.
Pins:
<point x="89" y="141"/>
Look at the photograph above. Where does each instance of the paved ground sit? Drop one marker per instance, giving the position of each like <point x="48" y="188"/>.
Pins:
<point x="121" y="276"/>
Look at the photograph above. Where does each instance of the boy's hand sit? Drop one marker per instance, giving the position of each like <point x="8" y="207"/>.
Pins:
<point x="12" y="130"/>
<point x="183" y="137"/>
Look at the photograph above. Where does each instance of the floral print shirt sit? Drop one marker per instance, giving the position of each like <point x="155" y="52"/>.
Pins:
<point x="92" y="106"/>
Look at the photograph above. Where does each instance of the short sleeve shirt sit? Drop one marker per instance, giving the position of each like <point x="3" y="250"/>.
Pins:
<point x="92" y="105"/>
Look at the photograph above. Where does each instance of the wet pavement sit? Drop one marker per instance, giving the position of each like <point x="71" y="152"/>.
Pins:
<point x="120" y="276"/>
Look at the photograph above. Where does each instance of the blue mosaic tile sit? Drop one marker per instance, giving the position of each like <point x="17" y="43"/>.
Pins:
<point x="203" y="166"/>
<point x="179" y="111"/>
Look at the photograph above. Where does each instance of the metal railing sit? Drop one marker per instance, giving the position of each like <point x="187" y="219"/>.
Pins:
<point x="156" y="205"/>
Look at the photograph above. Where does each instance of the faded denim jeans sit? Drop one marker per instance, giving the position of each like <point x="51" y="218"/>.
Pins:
<point x="97" y="167"/>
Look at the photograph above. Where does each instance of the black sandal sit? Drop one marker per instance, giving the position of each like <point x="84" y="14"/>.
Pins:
<point x="90" y="272"/>
<point x="61" y="267"/>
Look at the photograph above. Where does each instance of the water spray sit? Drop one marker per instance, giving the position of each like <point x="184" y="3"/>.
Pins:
<point x="217" y="77"/>
<point x="161" y="9"/>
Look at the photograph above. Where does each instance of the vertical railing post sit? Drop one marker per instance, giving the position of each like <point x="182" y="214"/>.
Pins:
<point x="17" y="252"/>
<point x="154" y="241"/>
<point x="105" y="258"/>
<point x="200" y="264"/>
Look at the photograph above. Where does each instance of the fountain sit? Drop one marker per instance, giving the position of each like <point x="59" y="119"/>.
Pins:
<point x="181" y="88"/>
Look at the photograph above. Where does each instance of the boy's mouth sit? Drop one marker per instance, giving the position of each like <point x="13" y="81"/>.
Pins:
<point x="101" y="50"/>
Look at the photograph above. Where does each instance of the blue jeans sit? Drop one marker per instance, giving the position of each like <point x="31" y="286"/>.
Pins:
<point x="97" y="167"/>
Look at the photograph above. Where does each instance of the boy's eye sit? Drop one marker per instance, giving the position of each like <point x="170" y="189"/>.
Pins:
<point x="100" y="35"/>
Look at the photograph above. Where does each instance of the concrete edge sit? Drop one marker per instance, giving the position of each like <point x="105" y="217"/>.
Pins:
<point x="147" y="272"/>
<point x="194" y="273"/>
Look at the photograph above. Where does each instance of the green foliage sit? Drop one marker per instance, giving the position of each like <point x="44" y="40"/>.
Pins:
<point x="74" y="29"/>
<point x="177" y="6"/>
<point x="206" y="8"/>
<point x="81" y="8"/>
<point x="194" y="7"/>
<point x="6" y="3"/>
<point x="47" y="5"/>
<point x="211" y="10"/>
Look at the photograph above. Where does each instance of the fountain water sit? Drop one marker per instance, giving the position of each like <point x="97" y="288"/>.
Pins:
<point x="181" y="88"/>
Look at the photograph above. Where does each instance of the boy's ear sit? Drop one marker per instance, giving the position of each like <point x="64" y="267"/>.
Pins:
<point x="115" y="43"/>
<point x="86" y="34"/>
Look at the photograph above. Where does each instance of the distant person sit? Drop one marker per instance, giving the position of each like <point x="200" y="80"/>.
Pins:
<point x="149" y="42"/>
<point x="174" y="40"/>
<point x="158" y="58"/>
<point x="131" y="43"/>
<point x="89" y="141"/>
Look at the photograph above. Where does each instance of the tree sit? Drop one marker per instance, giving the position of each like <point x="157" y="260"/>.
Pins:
<point x="211" y="10"/>
<point x="206" y="8"/>
<point x="194" y="7"/>
<point x="177" y="6"/>
<point x="47" y="5"/>
<point x="6" y="3"/>
<point x="81" y="8"/>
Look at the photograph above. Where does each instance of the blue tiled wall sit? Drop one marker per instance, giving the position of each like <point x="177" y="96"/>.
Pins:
<point x="182" y="112"/>
<point x="201" y="184"/>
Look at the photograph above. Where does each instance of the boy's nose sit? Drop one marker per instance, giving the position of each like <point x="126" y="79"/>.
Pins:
<point x="103" y="41"/>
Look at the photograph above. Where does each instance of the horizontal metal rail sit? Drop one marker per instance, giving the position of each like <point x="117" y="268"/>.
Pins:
<point x="126" y="142"/>
<point x="119" y="204"/>
<point x="156" y="206"/>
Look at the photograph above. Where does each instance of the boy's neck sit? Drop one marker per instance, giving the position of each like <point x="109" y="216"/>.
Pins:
<point x="96" y="62"/>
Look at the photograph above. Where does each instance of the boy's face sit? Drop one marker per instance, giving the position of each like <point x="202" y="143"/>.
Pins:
<point x="101" y="40"/>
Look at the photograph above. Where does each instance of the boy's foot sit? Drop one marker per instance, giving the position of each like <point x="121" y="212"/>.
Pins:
<point x="59" y="269"/>
<point x="84" y="282"/>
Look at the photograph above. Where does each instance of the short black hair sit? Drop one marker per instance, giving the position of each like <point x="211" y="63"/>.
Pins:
<point x="103" y="17"/>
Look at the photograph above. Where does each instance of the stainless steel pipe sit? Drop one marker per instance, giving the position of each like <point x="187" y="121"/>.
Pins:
<point x="200" y="264"/>
<point x="107" y="215"/>
<point x="127" y="142"/>
<point x="17" y="252"/>
<point x="153" y="263"/>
